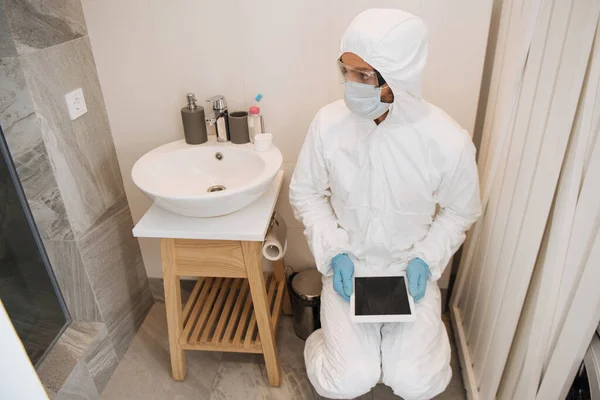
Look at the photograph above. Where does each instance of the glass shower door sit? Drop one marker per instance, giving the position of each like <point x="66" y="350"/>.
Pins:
<point x="28" y="288"/>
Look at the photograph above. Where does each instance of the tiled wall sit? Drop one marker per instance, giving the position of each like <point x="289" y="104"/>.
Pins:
<point x="80" y="364"/>
<point x="69" y="169"/>
<point x="150" y="53"/>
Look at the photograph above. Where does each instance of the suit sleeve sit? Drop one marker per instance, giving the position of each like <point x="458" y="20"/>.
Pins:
<point x="460" y="205"/>
<point x="310" y="199"/>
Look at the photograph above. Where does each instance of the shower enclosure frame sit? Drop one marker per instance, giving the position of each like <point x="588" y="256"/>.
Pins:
<point x="38" y="241"/>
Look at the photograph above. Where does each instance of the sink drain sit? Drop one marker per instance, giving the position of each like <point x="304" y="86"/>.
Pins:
<point x="216" y="188"/>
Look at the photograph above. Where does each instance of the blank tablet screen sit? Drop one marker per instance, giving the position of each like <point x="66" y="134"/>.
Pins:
<point x="380" y="295"/>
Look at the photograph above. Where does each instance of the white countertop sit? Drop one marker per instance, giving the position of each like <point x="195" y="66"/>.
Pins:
<point x="248" y="224"/>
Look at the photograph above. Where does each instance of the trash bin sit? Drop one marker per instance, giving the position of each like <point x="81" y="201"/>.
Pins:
<point x="305" y="295"/>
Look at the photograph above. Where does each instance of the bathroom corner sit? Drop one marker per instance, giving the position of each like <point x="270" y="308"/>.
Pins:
<point x="71" y="177"/>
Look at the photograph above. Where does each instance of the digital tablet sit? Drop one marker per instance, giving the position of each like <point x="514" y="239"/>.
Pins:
<point x="382" y="298"/>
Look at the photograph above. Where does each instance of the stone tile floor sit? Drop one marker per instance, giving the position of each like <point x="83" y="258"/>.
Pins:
<point x="144" y="372"/>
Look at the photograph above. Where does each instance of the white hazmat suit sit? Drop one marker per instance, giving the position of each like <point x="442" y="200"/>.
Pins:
<point x="371" y="191"/>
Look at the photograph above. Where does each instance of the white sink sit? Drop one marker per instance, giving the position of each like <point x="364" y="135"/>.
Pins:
<point x="205" y="180"/>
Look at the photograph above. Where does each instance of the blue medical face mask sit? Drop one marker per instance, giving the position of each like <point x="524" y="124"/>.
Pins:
<point x="364" y="100"/>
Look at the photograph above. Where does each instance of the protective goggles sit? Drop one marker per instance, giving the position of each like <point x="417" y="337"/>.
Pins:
<point x="367" y="77"/>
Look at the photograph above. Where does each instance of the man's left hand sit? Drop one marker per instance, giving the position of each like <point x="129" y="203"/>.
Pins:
<point x="417" y="273"/>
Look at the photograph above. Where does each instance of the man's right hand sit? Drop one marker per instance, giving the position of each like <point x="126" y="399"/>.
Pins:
<point x="343" y="270"/>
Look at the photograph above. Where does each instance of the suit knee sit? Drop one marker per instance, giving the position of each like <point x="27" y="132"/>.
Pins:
<point x="351" y="382"/>
<point x="338" y="379"/>
<point x="420" y="384"/>
<point x="363" y="377"/>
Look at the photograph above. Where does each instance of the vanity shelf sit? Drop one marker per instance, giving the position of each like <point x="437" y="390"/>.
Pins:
<point x="234" y="306"/>
<point x="219" y="315"/>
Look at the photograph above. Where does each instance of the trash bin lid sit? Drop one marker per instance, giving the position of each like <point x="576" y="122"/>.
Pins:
<point x="307" y="284"/>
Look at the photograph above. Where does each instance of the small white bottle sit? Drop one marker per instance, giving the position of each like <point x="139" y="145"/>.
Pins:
<point x="255" y="122"/>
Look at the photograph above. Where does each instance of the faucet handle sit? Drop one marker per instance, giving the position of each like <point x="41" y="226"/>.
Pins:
<point x="218" y="102"/>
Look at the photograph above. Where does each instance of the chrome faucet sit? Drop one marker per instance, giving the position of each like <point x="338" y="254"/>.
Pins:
<point x="219" y="118"/>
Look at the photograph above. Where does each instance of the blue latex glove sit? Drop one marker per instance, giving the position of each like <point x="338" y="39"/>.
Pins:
<point x="417" y="273"/>
<point x="343" y="270"/>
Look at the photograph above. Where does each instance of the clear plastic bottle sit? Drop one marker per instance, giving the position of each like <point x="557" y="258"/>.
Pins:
<point x="255" y="122"/>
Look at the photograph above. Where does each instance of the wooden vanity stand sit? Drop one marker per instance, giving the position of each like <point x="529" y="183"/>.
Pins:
<point x="234" y="306"/>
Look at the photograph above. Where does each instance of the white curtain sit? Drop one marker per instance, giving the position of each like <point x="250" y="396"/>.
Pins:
<point x="522" y="309"/>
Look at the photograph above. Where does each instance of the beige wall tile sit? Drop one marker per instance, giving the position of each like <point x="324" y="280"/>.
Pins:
<point x="298" y="254"/>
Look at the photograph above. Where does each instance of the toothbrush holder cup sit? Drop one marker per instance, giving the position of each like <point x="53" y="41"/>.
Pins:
<point x="238" y="127"/>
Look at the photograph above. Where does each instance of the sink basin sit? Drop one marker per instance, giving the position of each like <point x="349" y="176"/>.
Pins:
<point x="205" y="180"/>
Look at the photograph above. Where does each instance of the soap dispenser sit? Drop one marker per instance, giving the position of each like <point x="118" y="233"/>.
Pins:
<point x="194" y="126"/>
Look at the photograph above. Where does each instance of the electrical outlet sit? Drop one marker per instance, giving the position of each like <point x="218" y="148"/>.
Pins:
<point x="76" y="103"/>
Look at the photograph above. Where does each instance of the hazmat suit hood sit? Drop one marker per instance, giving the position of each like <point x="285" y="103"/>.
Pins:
<point x="395" y="43"/>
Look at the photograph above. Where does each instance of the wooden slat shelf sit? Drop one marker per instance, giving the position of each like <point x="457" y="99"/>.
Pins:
<point x="219" y="315"/>
<point x="233" y="307"/>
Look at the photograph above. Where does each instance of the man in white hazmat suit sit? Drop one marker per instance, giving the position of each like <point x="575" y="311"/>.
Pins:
<point x="372" y="170"/>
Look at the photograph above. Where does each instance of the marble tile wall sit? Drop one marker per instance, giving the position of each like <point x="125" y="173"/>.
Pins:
<point x="37" y="24"/>
<point x="7" y="44"/>
<point x="79" y="359"/>
<point x="101" y="359"/>
<point x="82" y="151"/>
<point x="79" y="386"/>
<point x="21" y="127"/>
<point x="73" y="279"/>
<point x="81" y="363"/>
<point x="71" y="176"/>
<point x="114" y="263"/>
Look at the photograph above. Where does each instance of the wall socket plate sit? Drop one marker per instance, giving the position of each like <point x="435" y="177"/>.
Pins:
<point x="76" y="103"/>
